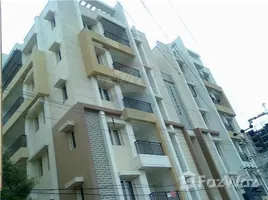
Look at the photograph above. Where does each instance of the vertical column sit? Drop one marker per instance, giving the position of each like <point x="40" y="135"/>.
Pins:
<point x="80" y="22"/>
<point x="131" y="138"/>
<point x="93" y="81"/>
<point x="111" y="156"/>
<point x="117" y="89"/>
<point x="141" y="186"/>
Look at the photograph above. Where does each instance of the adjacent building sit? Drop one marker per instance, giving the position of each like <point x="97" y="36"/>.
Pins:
<point x="94" y="113"/>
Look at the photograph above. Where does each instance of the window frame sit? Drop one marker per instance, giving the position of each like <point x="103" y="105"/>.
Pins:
<point x="53" y="22"/>
<point x="64" y="92"/>
<point x="72" y="140"/>
<point x="105" y="94"/>
<point x="58" y="55"/>
<point x="98" y="56"/>
<point x="128" y="190"/>
<point x="36" y="123"/>
<point x="87" y="26"/>
<point x="115" y="138"/>
<point x="40" y="167"/>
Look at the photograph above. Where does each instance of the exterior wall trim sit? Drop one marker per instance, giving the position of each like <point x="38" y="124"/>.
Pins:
<point x="211" y="163"/>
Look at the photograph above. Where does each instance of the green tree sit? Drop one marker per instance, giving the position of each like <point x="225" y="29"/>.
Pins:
<point x="16" y="184"/>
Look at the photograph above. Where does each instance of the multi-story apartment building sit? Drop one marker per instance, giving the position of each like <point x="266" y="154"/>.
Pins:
<point x="256" y="139"/>
<point x="94" y="113"/>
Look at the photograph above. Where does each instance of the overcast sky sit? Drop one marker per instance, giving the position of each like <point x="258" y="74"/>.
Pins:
<point x="231" y="37"/>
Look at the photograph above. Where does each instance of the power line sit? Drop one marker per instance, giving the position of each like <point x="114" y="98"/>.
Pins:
<point x="179" y="16"/>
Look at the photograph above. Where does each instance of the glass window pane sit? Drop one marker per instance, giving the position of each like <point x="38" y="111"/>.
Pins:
<point x="64" y="93"/>
<point x="111" y="137"/>
<point x="106" y="95"/>
<point x="101" y="93"/>
<point x="116" y="137"/>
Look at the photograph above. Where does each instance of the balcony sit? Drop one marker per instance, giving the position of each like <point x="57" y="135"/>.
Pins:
<point x="244" y="157"/>
<point x="11" y="67"/>
<point x="35" y="62"/>
<point x="18" y="150"/>
<point x="150" y="148"/>
<point x="137" y="105"/>
<point x="13" y="109"/>
<point x="33" y="72"/>
<point x="225" y="109"/>
<point x="126" y="69"/>
<point x="150" y="156"/>
<point x="216" y="101"/>
<point x="116" y="38"/>
<point x="229" y="127"/>
<point x="164" y="196"/>
<point x="210" y="85"/>
<point x="138" y="110"/>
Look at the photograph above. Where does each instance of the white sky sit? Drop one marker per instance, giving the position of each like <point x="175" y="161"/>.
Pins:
<point x="231" y="35"/>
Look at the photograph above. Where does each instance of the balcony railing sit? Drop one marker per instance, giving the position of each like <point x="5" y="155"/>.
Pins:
<point x="244" y="157"/>
<point x="229" y="127"/>
<point x="20" y="142"/>
<point x="216" y="101"/>
<point x="13" y="109"/>
<point x="11" y="68"/>
<point x="164" y="196"/>
<point x="124" y="68"/>
<point x="116" y="38"/>
<point x="137" y="105"/>
<point x="151" y="148"/>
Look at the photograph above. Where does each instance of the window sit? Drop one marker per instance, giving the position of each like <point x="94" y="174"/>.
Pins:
<point x="43" y="112"/>
<point x="99" y="59"/>
<point x="204" y="116"/>
<point x="114" y="136"/>
<point x="48" y="162"/>
<point x="36" y="123"/>
<point x="64" y="93"/>
<point x="58" y="55"/>
<point x="53" y="23"/>
<point x="40" y="167"/>
<point x="72" y="140"/>
<point x="128" y="190"/>
<point x="104" y="94"/>
<point x="32" y="85"/>
<point x="87" y="26"/>
<point x="218" y="149"/>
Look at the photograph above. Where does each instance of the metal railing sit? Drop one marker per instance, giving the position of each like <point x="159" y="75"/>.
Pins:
<point x="216" y="101"/>
<point x="229" y="127"/>
<point x="124" y="68"/>
<point x="244" y="156"/>
<point x="116" y="38"/>
<point x="12" y="110"/>
<point x="164" y="196"/>
<point x="11" y="68"/>
<point x="137" y="104"/>
<point x="20" y="142"/>
<point x="151" y="148"/>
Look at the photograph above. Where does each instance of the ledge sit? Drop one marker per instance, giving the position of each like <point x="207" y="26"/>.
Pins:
<point x="175" y="124"/>
<point x="39" y="153"/>
<point x="67" y="126"/>
<point x="205" y="131"/>
<point x="212" y="86"/>
<point x="132" y="114"/>
<point x="20" y="155"/>
<point x="225" y="109"/>
<point x="75" y="182"/>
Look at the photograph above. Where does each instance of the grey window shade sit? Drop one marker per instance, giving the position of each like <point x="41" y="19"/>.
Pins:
<point x="114" y="29"/>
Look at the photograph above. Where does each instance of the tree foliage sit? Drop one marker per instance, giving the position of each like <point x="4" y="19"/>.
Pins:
<point x="16" y="184"/>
